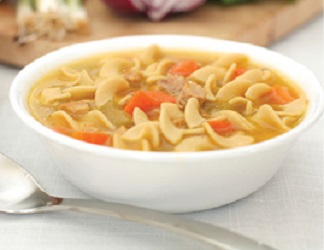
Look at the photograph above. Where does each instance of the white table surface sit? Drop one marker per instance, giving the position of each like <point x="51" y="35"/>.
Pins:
<point x="287" y="213"/>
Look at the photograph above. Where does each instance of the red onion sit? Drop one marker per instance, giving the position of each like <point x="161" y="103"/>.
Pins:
<point x="155" y="9"/>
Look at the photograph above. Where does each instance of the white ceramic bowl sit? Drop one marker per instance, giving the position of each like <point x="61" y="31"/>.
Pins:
<point x="174" y="182"/>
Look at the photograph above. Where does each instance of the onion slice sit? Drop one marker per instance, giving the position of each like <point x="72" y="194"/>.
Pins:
<point x="156" y="10"/>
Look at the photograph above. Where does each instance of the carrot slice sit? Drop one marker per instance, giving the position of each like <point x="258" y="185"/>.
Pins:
<point x="279" y="95"/>
<point x="238" y="72"/>
<point x="222" y="127"/>
<point x="184" y="68"/>
<point x="139" y="99"/>
<point x="147" y="100"/>
<point x="90" y="137"/>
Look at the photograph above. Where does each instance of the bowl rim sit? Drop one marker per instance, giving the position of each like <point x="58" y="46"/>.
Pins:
<point x="17" y="104"/>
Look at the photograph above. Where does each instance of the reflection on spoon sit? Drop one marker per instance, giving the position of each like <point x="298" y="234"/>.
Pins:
<point x="21" y="194"/>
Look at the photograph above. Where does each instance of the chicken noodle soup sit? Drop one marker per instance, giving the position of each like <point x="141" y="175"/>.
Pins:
<point x="167" y="100"/>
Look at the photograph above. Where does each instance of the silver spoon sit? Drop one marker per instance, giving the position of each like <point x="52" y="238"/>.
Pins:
<point x="21" y="194"/>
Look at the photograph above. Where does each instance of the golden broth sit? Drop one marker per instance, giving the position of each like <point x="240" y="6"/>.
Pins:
<point x="167" y="100"/>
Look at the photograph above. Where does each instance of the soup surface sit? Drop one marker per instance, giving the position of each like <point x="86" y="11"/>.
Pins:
<point x="167" y="100"/>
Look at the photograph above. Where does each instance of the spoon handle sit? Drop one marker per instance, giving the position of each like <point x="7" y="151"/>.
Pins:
<point x="209" y="234"/>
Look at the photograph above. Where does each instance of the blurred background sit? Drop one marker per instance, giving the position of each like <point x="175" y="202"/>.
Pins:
<point x="30" y="28"/>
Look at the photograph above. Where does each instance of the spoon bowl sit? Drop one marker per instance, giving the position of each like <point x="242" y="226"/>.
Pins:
<point x="18" y="190"/>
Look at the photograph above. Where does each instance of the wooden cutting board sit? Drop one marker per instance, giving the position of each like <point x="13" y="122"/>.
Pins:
<point x="261" y="22"/>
